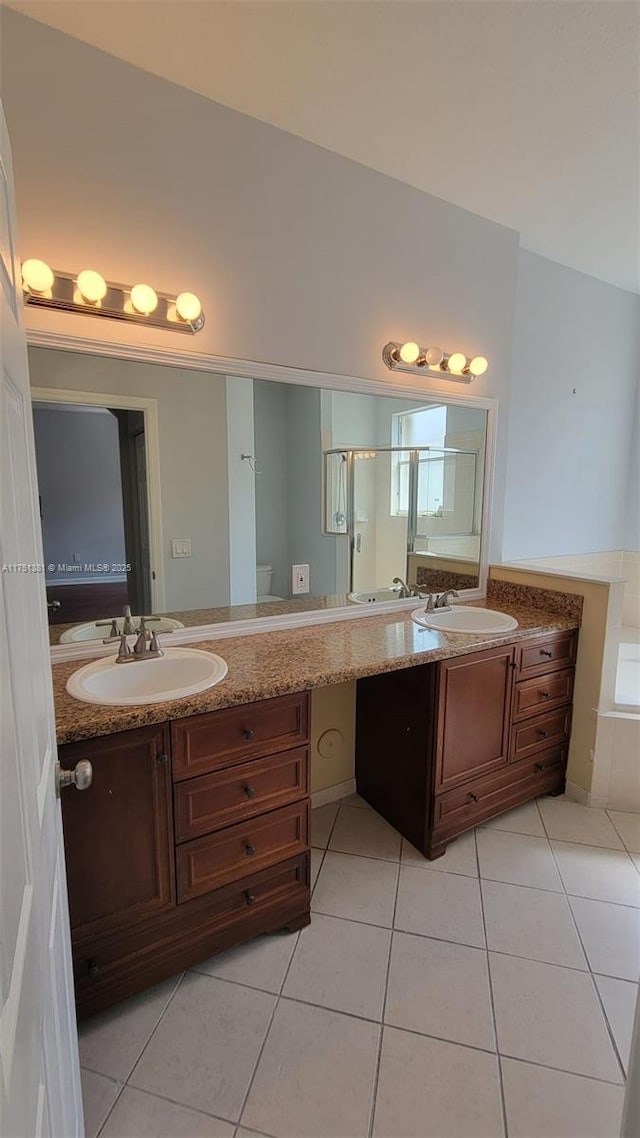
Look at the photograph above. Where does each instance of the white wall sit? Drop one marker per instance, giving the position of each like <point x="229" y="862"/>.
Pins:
<point x="78" y="457"/>
<point x="574" y="376"/>
<point x="193" y="460"/>
<point x="300" y="256"/>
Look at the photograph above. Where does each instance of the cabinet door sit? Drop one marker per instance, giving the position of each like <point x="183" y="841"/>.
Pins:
<point x="474" y="704"/>
<point x="118" y="834"/>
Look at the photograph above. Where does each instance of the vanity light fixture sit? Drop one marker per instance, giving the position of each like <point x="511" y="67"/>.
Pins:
<point x="455" y="365"/>
<point x="90" y="293"/>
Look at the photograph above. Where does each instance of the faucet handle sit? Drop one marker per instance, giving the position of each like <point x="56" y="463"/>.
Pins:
<point x="154" y="647"/>
<point x="430" y="603"/>
<point x="124" y="652"/>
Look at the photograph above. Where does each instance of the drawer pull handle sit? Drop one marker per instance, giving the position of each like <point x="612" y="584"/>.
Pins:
<point x="546" y="652"/>
<point x="474" y="797"/>
<point x="249" y="897"/>
<point x="249" y="849"/>
<point x="248" y="734"/>
<point x="545" y="694"/>
<point x="249" y="791"/>
<point x="541" y="733"/>
<point x="539" y="766"/>
<point x="93" y="968"/>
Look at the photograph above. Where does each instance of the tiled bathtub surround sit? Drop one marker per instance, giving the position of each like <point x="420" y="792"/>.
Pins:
<point x="488" y="993"/>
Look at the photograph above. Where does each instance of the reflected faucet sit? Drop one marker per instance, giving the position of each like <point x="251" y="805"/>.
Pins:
<point x="404" y="591"/>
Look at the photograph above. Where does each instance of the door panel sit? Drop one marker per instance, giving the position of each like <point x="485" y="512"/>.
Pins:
<point x="474" y="703"/>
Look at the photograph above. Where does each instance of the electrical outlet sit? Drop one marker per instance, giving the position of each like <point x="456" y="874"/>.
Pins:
<point x="299" y="579"/>
<point x="181" y="547"/>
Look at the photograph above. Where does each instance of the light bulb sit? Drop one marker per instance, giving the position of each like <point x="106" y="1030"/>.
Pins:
<point x="478" y="365"/>
<point x="91" y="286"/>
<point x="188" y="306"/>
<point x="409" y="352"/>
<point x="457" y="362"/>
<point x="144" y="299"/>
<point x="37" y="275"/>
<point x="434" y="357"/>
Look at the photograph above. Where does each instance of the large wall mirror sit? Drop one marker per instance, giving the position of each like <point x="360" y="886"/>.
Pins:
<point x="191" y="496"/>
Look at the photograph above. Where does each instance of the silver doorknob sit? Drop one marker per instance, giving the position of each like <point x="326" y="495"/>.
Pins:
<point x="81" y="776"/>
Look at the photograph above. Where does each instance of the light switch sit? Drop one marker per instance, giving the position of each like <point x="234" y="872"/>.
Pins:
<point x="181" y="547"/>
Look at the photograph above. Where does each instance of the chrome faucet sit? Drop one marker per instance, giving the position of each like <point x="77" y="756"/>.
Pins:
<point x="442" y="602"/>
<point x="127" y="655"/>
<point x="405" y="591"/>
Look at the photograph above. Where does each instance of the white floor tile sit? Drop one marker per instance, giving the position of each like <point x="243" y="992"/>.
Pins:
<point x="431" y="1089"/>
<point x="260" y="963"/>
<point x="139" y="1115"/>
<point x="365" y="833"/>
<point x="603" y="875"/>
<point x="315" y="1075"/>
<point x="628" y="826"/>
<point x="532" y="923"/>
<point x="341" y="965"/>
<point x="360" y="888"/>
<point x="112" y="1043"/>
<point x="205" y="1049"/>
<point x="355" y="800"/>
<point x="316" y="862"/>
<point x="459" y="857"/>
<point x="619" y="998"/>
<point x="518" y="859"/>
<point x="98" y="1096"/>
<point x="440" y="989"/>
<point x="610" y="935"/>
<point x="322" y="819"/>
<point x="551" y="1104"/>
<point x="441" y="905"/>
<point x="551" y="1015"/>
<point x="568" y="821"/>
<point x="523" y="820"/>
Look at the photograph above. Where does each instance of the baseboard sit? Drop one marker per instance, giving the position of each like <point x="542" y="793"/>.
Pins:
<point x="333" y="793"/>
<point x="578" y="794"/>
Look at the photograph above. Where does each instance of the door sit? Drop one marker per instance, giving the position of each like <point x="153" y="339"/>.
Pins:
<point x="474" y="706"/>
<point x="39" y="1071"/>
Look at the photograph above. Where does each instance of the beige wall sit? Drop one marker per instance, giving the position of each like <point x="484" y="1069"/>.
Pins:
<point x="332" y="711"/>
<point x="599" y="599"/>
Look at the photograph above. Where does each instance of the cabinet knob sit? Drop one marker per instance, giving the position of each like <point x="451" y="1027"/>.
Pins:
<point x="546" y="652"/>
<point x="539" y="766"/>
<point x="163" y="760"/>
<point x="545" y="695"/>
<point x="542" y="734"/>
<point x="474" y="797"/>
<point x="249" y="849"/>
<point x="248" y="733"/>
<point x="93" y="968"/>
<point x="249" y="791"/>
<point x="249" y="897"/>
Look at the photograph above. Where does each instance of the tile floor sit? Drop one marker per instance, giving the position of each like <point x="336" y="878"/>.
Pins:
<point x="489" y="993"/>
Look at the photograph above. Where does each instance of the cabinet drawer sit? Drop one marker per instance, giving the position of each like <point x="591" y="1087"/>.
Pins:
<point x="109" y="968"/>
<point x="212" y="801"/>
<point x="539" y="694"/>
<point x="208" y="863"/>
<point x="546" y="654"/>
<point x="203" y="743"/>
<point x="458" y="810"/>
<point x="533" y="735"/>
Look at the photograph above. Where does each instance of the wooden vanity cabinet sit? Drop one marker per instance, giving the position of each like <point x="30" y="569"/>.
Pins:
<point x="192" y="838"/>
<point x="444" y="746"/>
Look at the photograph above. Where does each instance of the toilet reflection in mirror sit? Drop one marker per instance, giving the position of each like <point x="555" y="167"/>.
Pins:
<point x="146" y="500"/>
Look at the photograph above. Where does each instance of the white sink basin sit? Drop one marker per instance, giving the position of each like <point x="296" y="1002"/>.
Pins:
<point x="180" y="672"/>
<point x="385" y="594"/>
<point x="91" y="631"/>
<point x="467" y="619"/>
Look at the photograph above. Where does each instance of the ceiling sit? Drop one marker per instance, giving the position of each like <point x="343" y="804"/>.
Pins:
<point x="523" y="111"/>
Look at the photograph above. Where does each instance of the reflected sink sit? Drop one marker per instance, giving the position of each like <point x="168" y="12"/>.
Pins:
<point x="467" y="619"/>
<point x="180" y="672"/>
<point x="91" y="631"/>
<point x="387" y="593"/>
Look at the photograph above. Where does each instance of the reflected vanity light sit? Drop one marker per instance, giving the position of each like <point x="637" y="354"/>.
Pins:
<point x="89" y="292"/>
<point x="454" y="365"/>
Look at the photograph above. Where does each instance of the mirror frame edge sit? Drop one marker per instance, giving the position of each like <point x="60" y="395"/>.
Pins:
<point x="281" y="373"/>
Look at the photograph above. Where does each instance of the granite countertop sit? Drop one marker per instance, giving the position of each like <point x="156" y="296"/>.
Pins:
<point x="276" y="663"/>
